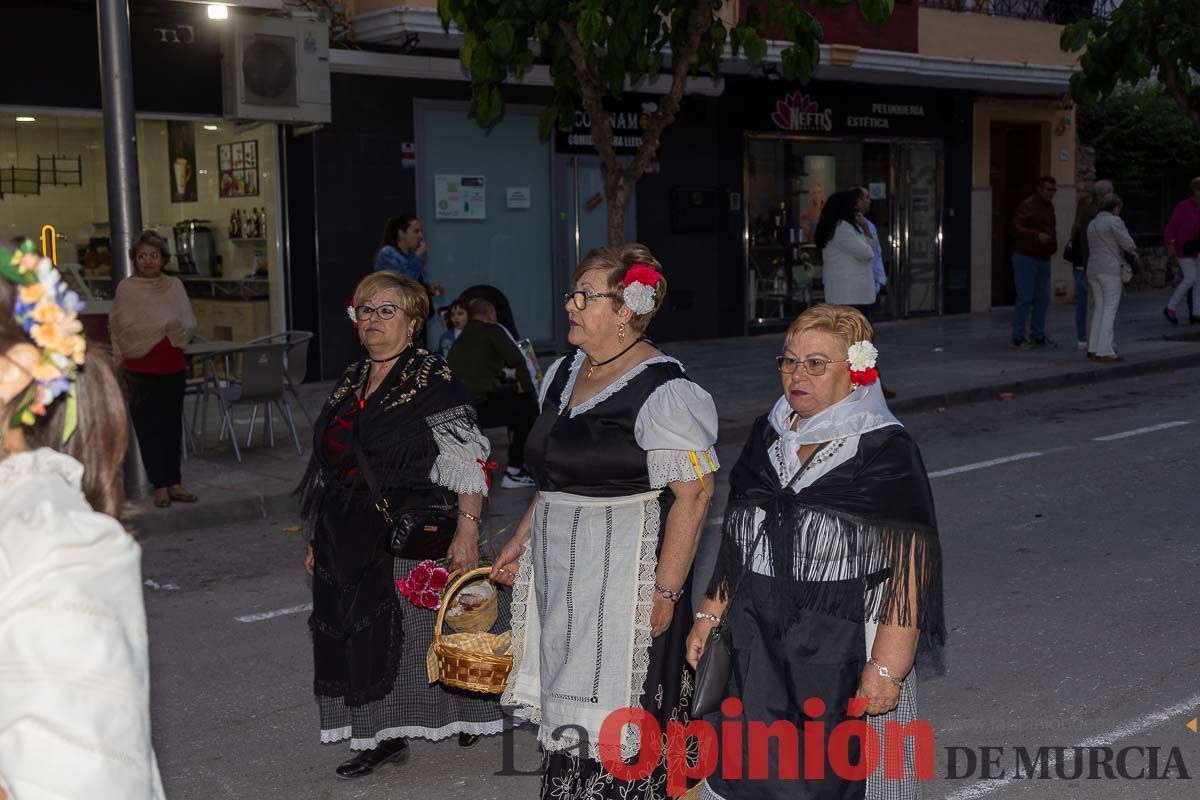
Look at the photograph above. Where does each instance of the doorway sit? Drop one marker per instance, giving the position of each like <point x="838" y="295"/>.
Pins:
<point x="1015" y="164"/>
<point x="582" y="220"/>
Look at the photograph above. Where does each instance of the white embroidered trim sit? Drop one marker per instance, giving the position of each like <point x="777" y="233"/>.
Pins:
<point x="413" y="732"/>
<point x="642" y="637"/>
<point x="675" y="466"/>
<point x="547" y="379"/>
<point x="520" y="605"/>
<point x="607" y="391"/>
<point x="458" y="476"/>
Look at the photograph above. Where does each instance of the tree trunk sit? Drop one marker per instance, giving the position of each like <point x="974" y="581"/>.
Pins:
<point x="616" y="199"/>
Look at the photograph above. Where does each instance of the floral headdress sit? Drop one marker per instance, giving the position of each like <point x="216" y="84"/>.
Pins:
<point x="48" y="311"/>
<point x="641" y="288"/>
<point x="862" y="356"/>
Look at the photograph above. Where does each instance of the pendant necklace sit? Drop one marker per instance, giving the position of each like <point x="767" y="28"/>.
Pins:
<point x="593" y="364"/>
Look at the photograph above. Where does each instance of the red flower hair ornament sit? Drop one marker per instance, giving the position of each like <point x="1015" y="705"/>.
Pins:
<point x="641" y="288"/>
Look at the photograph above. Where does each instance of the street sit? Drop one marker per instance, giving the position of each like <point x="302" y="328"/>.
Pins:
<point x="1068" y="525"/>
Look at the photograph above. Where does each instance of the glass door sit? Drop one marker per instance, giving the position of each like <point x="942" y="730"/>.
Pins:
<point x="918" y="241"/>
<point x="583" y="219"/>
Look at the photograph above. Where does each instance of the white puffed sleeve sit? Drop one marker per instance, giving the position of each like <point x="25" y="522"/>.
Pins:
<point x="462" y="452"/>
<point x="677" y="427"/>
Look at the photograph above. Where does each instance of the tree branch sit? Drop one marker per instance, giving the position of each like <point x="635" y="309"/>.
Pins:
<point x="1170" y="75"/>
<point x="682" y="62"/>
<point x="591" y="91"/>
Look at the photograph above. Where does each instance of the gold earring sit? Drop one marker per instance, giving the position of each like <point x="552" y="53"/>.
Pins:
<point x="621" y="333"/>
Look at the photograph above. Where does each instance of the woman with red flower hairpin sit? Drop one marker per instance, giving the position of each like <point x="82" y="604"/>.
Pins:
<point x="829" y="566"/>
<point x="601" y="579"/>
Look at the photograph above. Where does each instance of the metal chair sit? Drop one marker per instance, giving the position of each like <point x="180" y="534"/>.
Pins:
<point x="261" y="383"/>
<point x="295" y="362"/>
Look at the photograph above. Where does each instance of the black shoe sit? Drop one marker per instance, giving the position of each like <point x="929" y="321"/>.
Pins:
<point x="1194" y="320"/>
<point x="468" y="739"/>
<point x="1044" y="341"/>
<point x="1018" y="343"/>
<point x="1170" y="315"/>
<point x="393" y="751"/>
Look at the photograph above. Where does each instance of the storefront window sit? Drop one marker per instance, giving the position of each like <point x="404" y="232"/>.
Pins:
<point x="208" y="189"/>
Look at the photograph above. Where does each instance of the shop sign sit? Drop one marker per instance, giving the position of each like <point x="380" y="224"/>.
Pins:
<point x="628" y="122"/>
<point x="798" y="112"/>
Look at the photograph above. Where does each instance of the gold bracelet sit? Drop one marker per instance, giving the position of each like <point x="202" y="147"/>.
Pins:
<point x="471" y="517"/>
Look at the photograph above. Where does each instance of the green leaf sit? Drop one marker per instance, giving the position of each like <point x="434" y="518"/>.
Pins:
<point x="467" y="51"/>
<point x="877" y="12"/>
<point x="756" y="48"/>
<point x="483" y="66"/>
<point x="70" y="414"/>
<point x="502" y="41"/>
<point x="1074" y="36"/>
<point x="547" y="120"/>
<point x="590" y="24"/>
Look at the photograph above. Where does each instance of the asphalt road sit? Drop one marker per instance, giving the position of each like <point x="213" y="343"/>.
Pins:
<point x="1071" y="592"/>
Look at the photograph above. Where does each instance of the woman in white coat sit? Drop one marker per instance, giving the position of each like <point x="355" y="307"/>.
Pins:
<point x="1108" y="241"/>
<point x="847" y="254"/>
<point x="74" y="675"/>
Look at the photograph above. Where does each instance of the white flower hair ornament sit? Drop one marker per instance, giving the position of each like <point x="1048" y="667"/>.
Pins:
<point x="862" y="357"/>
<point x="641" y="288"/>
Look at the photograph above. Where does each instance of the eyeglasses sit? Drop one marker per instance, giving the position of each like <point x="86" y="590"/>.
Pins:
<point x="580" y="298"/>
<point x="386" y="311"/>
<point x="812" y="366"/>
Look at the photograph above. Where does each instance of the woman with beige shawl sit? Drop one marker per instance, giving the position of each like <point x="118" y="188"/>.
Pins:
<point x="151" y="321"/>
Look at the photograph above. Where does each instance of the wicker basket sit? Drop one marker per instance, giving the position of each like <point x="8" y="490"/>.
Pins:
<point x="480" y="619"/>
<point x="461" y="669"/>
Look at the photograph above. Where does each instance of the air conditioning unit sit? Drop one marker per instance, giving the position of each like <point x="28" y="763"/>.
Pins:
<point x="276" y="69"/>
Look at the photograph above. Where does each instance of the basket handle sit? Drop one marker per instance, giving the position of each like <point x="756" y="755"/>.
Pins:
<point x="455" y="585"/>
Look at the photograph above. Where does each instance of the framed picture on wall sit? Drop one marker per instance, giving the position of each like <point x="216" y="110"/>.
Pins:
<point x="238" y="167"/>
<point x="181" y="151"/>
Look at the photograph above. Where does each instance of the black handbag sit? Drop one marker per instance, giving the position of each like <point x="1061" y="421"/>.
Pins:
<point x="1191" y="249"/>
<point x="1069" y="253"/>
<point x="417" y="532"/>
<point x="716" y="662"/>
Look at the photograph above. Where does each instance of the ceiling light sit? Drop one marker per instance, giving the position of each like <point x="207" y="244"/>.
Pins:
<point x="211" y="128"/>
<point x="26" y="119"/>
<point x="218" y="11"/>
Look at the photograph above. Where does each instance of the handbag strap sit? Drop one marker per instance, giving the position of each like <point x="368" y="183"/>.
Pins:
<point x="364" y="469"/>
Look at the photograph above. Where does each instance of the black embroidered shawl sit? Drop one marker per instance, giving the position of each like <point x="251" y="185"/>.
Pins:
<point x="838" y="545"/>
<point x="356" y="619"/>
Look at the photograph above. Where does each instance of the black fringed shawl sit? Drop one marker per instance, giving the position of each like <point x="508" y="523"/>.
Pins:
<point x="356" y="619"/>
<point x="856" y="527"/>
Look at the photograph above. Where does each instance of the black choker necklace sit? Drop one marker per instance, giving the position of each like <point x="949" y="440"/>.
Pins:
<point x="593" y="364"/>
<point x="389" y="358"/>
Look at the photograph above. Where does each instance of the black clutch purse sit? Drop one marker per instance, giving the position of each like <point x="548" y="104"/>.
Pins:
<point x="416" y="533"/>
<point x="716" y="662"/>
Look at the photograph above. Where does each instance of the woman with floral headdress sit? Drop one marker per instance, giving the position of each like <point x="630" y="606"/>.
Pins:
<point x="829" y="567"/>
<point x="602" y="580"/>
<point x="75" y="696"/>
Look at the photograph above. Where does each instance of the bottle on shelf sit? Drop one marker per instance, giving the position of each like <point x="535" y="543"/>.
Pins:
<point x="233" y="226"/>
<point x="262" y="222"/>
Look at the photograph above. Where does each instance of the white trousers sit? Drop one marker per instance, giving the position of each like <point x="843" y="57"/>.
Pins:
<point x="1191" y="278"/>
<point x="1106" y="289"/>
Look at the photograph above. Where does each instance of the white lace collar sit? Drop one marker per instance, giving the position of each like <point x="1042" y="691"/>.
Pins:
<point x="607" y="391"/>
<point x="861" y="411"/>
<point x="20" y="466"/>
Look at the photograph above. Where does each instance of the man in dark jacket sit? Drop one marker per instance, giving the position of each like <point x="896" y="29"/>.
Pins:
<point x="1034" y="242"/>
<point x="488" y="361"/>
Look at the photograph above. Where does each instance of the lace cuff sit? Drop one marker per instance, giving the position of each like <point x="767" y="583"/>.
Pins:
<point x="457" y="467"/>
<point x="676" y="466"/>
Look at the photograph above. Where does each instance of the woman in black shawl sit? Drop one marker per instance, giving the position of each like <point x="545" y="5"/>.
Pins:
<point x="829" y="566"/>
<point x="398" y="426"/>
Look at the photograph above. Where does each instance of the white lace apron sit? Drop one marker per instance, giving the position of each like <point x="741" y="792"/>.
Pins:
<point x="581" y="616"/>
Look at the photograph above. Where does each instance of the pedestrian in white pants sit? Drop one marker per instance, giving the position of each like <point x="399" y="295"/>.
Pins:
<point x="1183" y="236"/>
<point x="1191" y="278"/>
<point x="1108" y="239"/>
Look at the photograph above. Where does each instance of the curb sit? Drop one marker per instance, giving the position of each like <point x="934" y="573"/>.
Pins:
<point x="256" y="507"/>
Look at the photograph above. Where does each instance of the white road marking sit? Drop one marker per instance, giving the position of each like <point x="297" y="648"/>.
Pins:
<point x="276" y="613"/>
<point x="994" y="462"/>
<point x="1105" y="739"/>
<point x="1112" y="437"/>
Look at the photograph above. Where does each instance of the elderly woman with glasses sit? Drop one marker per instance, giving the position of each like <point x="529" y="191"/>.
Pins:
<point x="829" y="568"/>
<point x="398" y="433"/>
<point x="601" y="598"/>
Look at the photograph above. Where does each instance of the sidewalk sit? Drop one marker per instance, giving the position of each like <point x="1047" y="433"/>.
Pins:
<point x="930" y="363"/>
